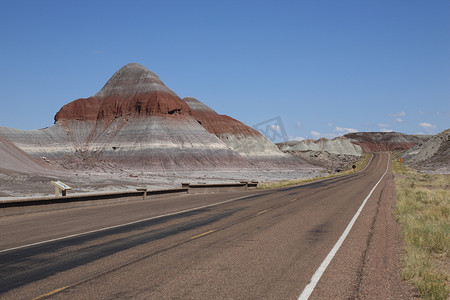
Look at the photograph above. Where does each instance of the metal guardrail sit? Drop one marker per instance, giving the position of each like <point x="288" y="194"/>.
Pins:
<point x="21" y="206"/>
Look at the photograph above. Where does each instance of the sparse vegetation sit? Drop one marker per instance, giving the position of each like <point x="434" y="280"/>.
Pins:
<point x="283" y="183"/>
<point x="423" y="209"/>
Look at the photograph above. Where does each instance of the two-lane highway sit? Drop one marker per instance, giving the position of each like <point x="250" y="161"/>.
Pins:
<point x="253" y="244"/>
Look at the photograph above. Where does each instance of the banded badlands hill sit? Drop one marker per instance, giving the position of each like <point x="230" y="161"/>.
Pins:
<point x="384" y="141"/>
<point x="427" y="153"/>
<point x="432" y="156"/>
<point x="335" y="155"/>
<point x="245" y="140"/>
<point x="136" y="125"/>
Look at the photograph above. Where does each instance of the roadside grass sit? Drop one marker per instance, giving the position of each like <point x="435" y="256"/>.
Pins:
<point x="423" y="210"/>
<point x="284" y="183"/>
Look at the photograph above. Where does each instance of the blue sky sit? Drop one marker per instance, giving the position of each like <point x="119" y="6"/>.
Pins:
<point x="324" y="67"/>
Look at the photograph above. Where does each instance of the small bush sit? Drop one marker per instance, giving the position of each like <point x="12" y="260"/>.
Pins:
<point x="433" y="286"/>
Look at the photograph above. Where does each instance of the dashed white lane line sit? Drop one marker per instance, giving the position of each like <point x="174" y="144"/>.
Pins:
<point x="307" y="291"/>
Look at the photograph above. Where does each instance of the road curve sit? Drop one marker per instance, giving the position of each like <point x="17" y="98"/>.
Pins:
<point x="253" y="244"/>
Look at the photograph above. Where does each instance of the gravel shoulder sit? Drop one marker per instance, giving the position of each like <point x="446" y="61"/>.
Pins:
<point x="376" y="242"/>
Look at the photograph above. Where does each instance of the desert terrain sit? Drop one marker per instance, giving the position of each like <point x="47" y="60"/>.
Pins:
<point x="136" y="132"/>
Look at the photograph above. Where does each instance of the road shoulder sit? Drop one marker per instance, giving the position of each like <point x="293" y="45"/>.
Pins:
<point x="369" y="264"/>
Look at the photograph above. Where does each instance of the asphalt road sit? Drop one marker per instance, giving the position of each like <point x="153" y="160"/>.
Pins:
<point x="242" y="245"/>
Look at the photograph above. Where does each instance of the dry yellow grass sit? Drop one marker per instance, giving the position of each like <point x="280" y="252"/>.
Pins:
<point x="423" y="209"/>
<point x="283" y="183"/>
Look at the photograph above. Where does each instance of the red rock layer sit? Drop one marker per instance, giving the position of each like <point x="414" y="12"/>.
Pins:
<point x="132" y="91"/>
<point x="112" y="107"/>
<point x="383" y="141"/>
<point x="215" y="123"/>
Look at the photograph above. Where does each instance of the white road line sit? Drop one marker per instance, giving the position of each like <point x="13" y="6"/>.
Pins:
<point x="319" y="272"/>
<point x="368" y="163"/>
<point x="121" y="225"/>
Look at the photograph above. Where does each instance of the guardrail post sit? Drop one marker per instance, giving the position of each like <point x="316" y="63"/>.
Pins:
<point x="144" y="190"/>
<point x="60" y="186"/>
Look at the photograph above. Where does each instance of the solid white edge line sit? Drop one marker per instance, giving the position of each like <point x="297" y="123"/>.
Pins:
<point x="309" y="288"/>
<point x="368" y="163"/>
<point x="120" y="225"/>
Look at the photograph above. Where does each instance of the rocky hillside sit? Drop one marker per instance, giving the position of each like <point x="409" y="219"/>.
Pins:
<point x="339" y="145"/>
<point x="335" y="155"/>
<point x="247" y="141"/>
<point x="14" y="158"/>
<point x="132" y="92"/>
<point x="137" y="122"/>
<point x="432" y="155"/>
<point x="383" y="141"/>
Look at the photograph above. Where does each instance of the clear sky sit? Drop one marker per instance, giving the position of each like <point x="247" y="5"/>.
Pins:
<point x="324" y="67"/>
